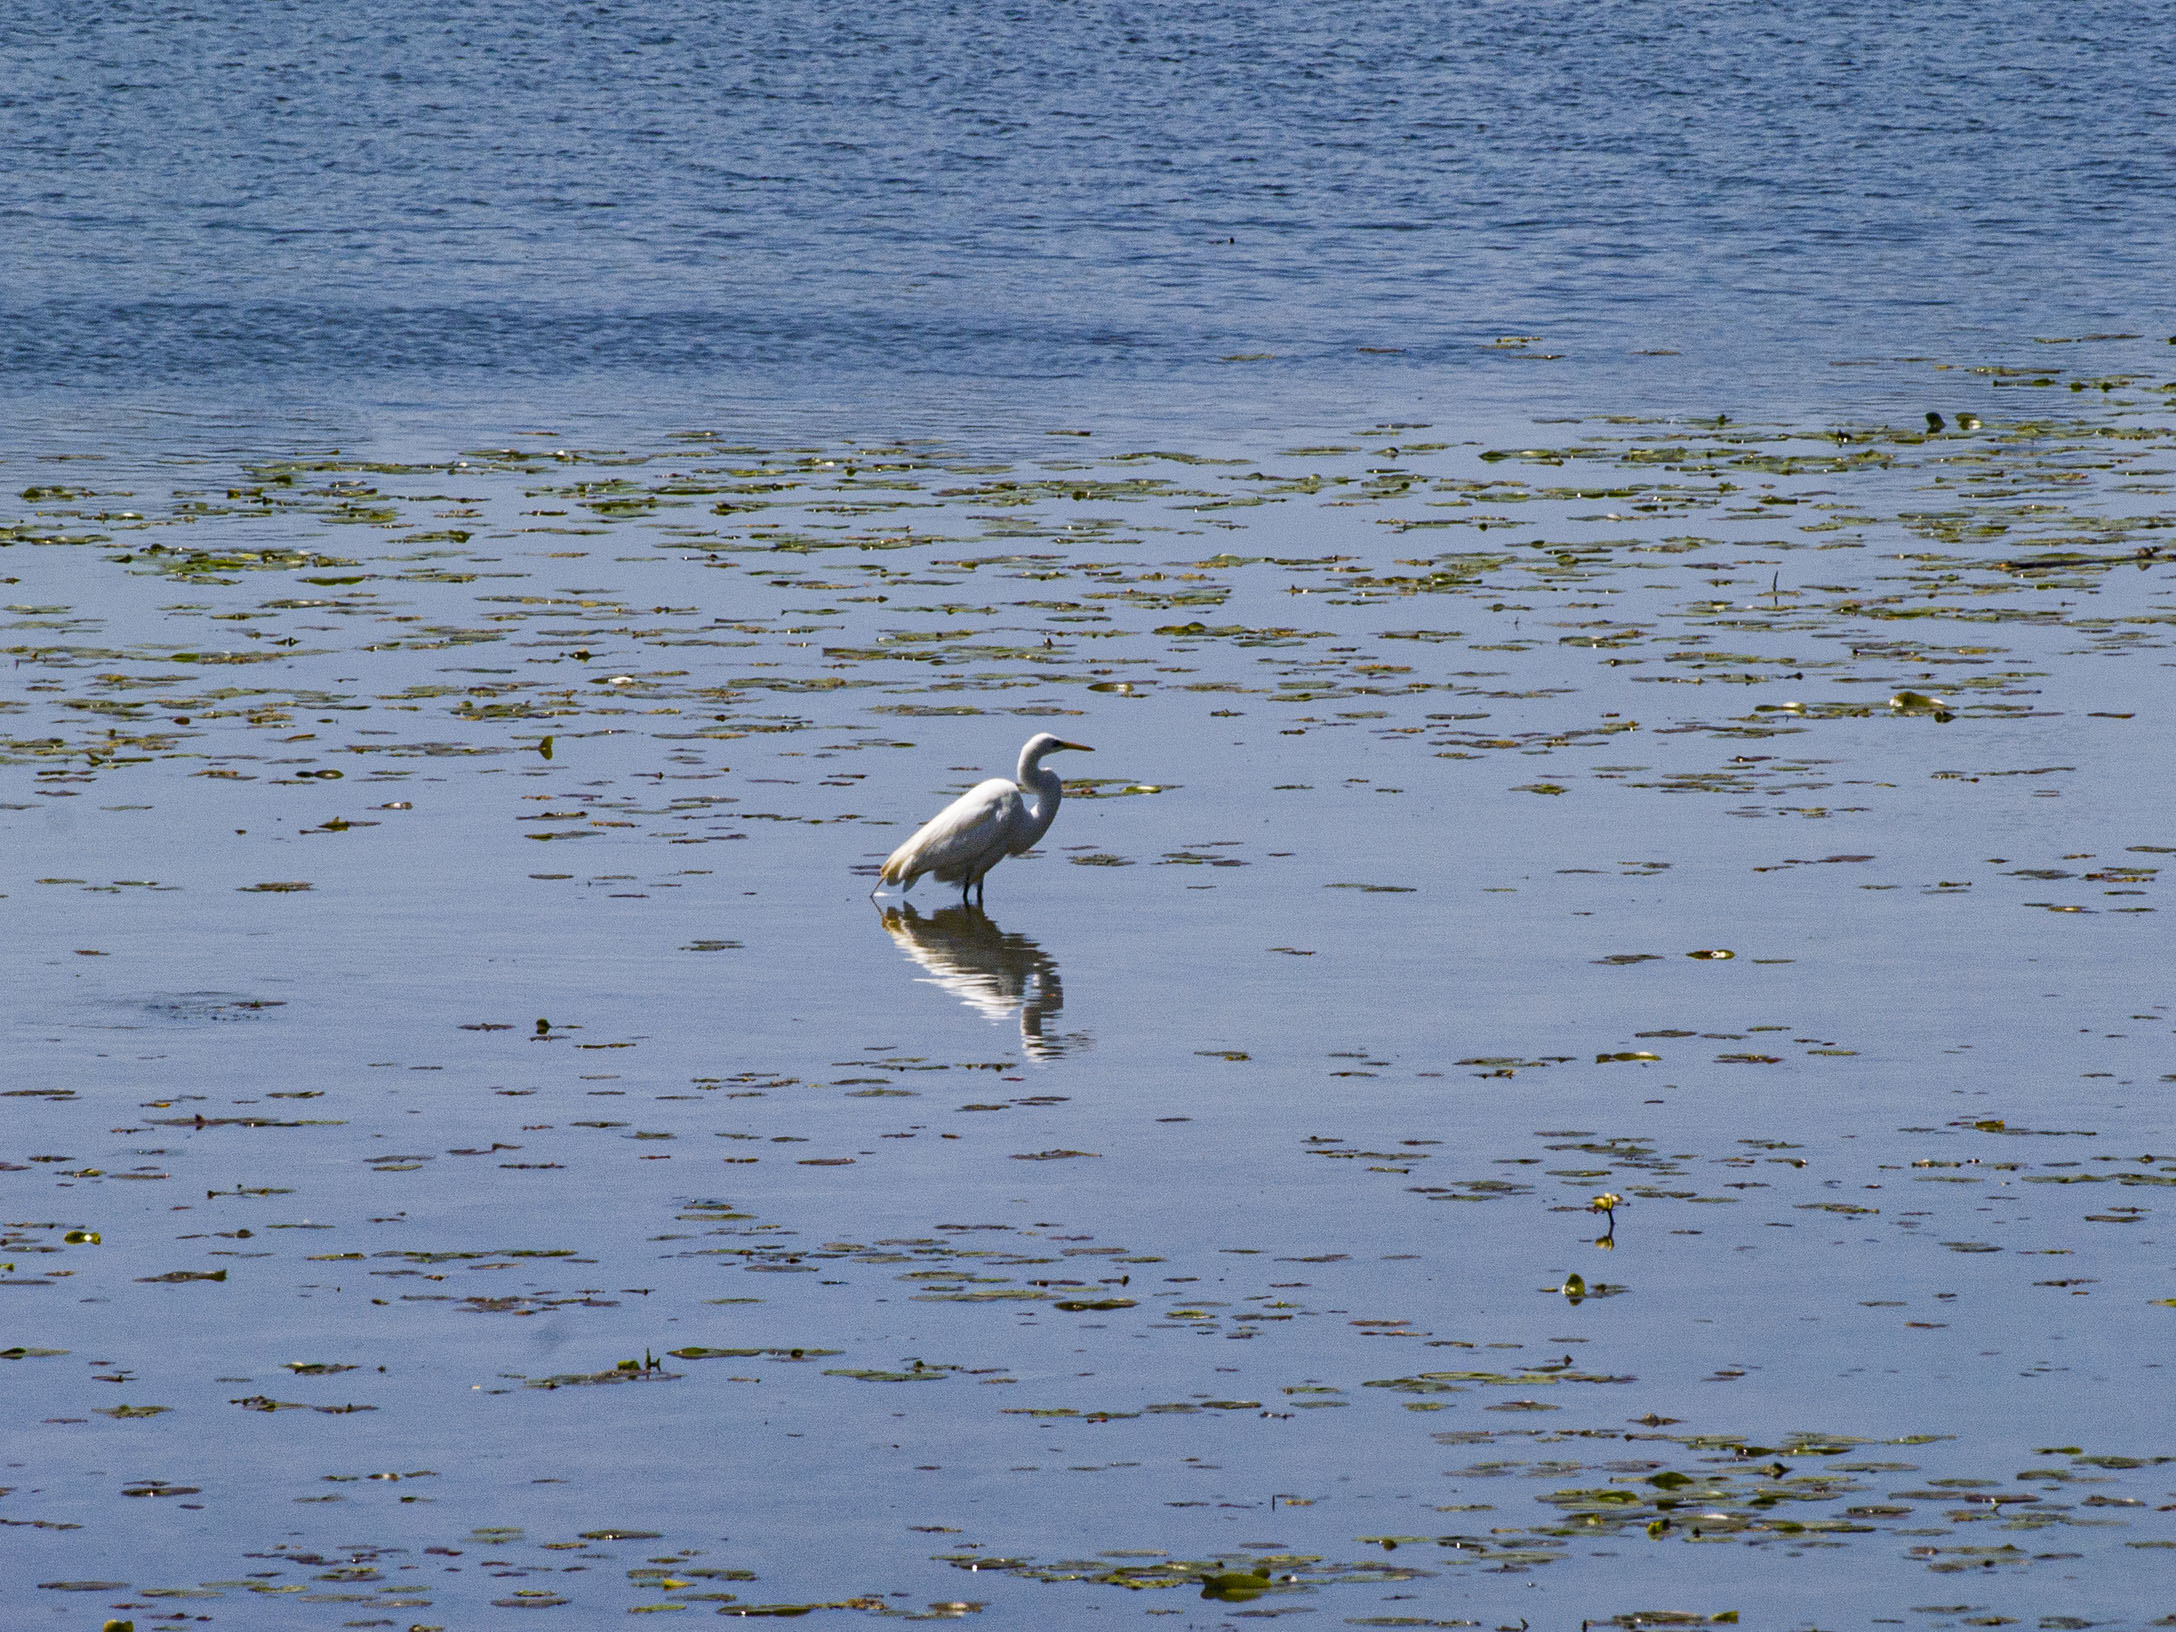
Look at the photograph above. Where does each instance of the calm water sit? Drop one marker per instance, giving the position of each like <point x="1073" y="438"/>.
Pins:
<point x="513" y="517"/>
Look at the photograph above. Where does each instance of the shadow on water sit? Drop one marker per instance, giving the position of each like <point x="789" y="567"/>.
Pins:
<point x="994" y="972"/>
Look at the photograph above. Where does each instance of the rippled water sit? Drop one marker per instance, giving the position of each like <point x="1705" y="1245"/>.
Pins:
<point x="915" y="216"/>
<point x="1592" y="1043"/>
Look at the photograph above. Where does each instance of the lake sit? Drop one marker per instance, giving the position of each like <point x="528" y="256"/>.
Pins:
<point x="652" y="428"/>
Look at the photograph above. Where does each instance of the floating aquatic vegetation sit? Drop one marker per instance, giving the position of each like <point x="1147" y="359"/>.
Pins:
<point x="212" y="679"/>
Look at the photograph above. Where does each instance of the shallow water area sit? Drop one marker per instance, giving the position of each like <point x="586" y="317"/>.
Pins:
<point x="1591" y="1042"/>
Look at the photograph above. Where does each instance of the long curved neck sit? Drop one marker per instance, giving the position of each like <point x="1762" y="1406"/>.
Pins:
<point x="1042" y="790"/>
<point x="1029" y="772"/>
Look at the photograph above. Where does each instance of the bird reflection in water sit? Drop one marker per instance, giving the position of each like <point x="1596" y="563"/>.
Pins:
<point x="997" y="974"/>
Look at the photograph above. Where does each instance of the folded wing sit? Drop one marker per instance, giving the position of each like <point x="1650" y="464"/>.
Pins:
<point x="964" y="839"/>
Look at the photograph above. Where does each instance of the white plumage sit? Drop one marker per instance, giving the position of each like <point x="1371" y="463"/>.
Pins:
<point x="984" y="825"/>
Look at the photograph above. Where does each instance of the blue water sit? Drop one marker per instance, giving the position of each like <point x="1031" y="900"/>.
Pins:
<point x="1682" y="824"/>
<point x="977" y="215"/>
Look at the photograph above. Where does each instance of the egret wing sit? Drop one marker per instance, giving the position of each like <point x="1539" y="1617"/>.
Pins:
<point x="959" y="838"/>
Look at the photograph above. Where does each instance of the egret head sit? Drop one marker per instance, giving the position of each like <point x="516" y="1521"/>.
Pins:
<point x="1044" y="743"/>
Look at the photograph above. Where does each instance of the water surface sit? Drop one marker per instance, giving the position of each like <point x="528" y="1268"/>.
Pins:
<point x="439" y="893"/>
<point x="916" y="217"/>
<point x="1591" y="1044"/>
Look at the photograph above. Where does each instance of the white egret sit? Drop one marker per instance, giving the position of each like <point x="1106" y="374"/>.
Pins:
<point x="984" y="825"/>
